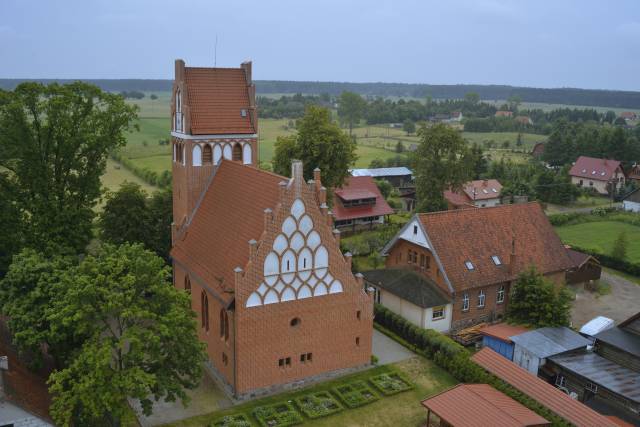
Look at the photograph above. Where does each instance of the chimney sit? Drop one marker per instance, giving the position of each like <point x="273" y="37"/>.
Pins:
<point x="246" y="66"/>
<point x="336" y="235"/>
<point x="513" y="259"/>
<point x="268" y="218"/>
<point x="179" y="72"/>
<point x="253" y="246"/>
<point x="485" y="182"/>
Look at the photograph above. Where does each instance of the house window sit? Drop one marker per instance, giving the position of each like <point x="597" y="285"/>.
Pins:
<point x="207" y="155"/>
<point x="358" y="314"/>
<point x="581" y="182"/>
<point x="196" y="156"/>
<point x="243" y="113"/>
<point x="236" y="156"/>
<point x="481" y="297"/>
<point x="281" y="363"/>
<point x="591" y="387"/>
<point x="500" y="298"/>
<point x="358" y="341"/>
<point x="224" y="324"/>
<point x="309" y="357"/>
<point x="187" y="284"/>
<point x="469" y="265"/>
<point x="303" y="357"/>
<point x="415" y="229"/>
<point x="295" y="321"/>
<point x="225" y="359"/>
<point x="438" y="313"/>
<point x="287" y="361"/>
<point x="376" y="295"/>
<point x="465" y="302"/>
<point x="423" y="261"/>
<point x="496" y="260"/>
<point x="560" y="381"/>
<point x="204" y="310"/>
<point x="178" y="115"/>
<point x="409" y="256"/>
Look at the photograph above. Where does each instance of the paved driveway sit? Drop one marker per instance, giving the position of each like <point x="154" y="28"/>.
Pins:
<point x="620" y="304"/>
<point x="389" y="351"/>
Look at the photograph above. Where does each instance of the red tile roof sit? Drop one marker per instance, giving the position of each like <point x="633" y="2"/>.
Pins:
<point x="503" y="331"/>
<point x="628" y="115"/>
<point x="471" y="405"/>
<point x="216" y="97"/>
<point x="23" y="387"/>
<point x="483" y="189"/>
<point x="359" y="187"/>
<point x="544" y="393"/>
<point x="504" y="113"/>
<point x="475" y="235"/>
<point x="578" y="258"/>
<point x="458" y="200"/>
<point x="230" y="214"/>
<point x="595" y="169"/>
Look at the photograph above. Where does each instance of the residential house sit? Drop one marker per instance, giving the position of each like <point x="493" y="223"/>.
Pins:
<point x="480" y="193"/>
<point x="524" y="120"/>
<point x="532" y="348"/>
<point x="498" y="338"/>
<point x="585" y="269"/>
<point x="276" y="302"/>
<point x="474" y="255"/>
<point x="456" y="116"/>
<point x="629" y="115"/>
<point x="358" y="205"/>
<point x="631" y="202"/>
<point x="602" y="175"/>
<point x="466" y="405"/>
<point x="608" y="378"/>
<point x="411" y="295"/>
<point x="634" y="174"/>
<point x="503" y="113"/>
<point x="555" y="400"/>
<point x="397" y="176"/>
<point x="538" y="150"/>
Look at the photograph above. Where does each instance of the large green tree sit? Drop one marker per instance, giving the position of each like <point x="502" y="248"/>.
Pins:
<point x="536" y="301"/>
<point x="319" y="143"/>
<point x="441" y="162"/>
<point x="141" y="340"/>
<point x="54" y="143"/>
<point x="351" y="107"/>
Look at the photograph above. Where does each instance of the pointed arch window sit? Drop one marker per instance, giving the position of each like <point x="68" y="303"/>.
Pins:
<point x="204" y="308"/>
<point x="196" y="155"/>
<point x="224" y="324"/>
<point x="178" y="115"/>
<point x="237" y="153"/>
<point x="207" y="155"/>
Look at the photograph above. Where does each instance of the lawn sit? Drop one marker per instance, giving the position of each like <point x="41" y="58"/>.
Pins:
<point x="401" y="409"/>
<point x="600" y="236"/>
<point x="116" y="174"/>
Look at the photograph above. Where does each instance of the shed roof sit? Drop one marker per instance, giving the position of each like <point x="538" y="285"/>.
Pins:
<point x="547" y="395"/>
<point x="545" y="342"/>
<point x="483" y="406"/>
<point x="503" y="331"/>
<point x="408" y="285"/>
<point x="380" y="172"/>
<point x="603" y="372"/>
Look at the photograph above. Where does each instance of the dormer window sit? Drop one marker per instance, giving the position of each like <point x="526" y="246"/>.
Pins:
<point x="243" y="113"/>
<point x="469" y="265"/>
<point x="593" y="172"/>
<point x="496" y="260"/>
<point x="584" y="171"/>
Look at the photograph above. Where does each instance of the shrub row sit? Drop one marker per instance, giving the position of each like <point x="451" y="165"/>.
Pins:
<point x="162" y="180"/>
<point x="454" y="358"/>
<point x="597" y="214"/>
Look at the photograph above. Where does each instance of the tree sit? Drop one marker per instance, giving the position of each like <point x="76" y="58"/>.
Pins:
<point x="409" y="126"/>
<point x="384" y="187"/>
<point x="27" y="293"/>
<point x="519" y="139"/>
<point x="376" y="163"/>
<point x="141" y="337"/>
<point x="399" y="147"/>
<point x="609" y="116"/>
<point x="351" y="108"/>
<point x="619" y="250"/>
<point x="53" y="150"/>
<point x="125" y="217"/>
<point x="535" y="301"/>
<point x="472" y="98"/>
<point x="160" y="207"/>
<point x="153" y="96"/>
<point x="441" y="163"/>
<point x="319" y="143"/>
<point x="478" y="161"/>
<point x="514" y="102"/>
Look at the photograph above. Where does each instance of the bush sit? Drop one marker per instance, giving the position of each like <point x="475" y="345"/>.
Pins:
<point x="277" y="415"/>
<point x="318" y="405"/>
<point x="355" y="394"/>
<point x="239" y="420"/>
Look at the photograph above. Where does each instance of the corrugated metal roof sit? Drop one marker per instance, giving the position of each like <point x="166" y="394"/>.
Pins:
<point x="483" y="406"/>
<point x="378" y="172"/>
<point x="624" y="340"/>
<point x="545" y="342"/>
<point x="547" y="395"/>
<point x="602" y="372"/>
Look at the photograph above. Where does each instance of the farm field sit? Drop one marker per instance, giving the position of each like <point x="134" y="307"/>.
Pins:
<point x="116" y="174"/>
<point x="601" y="235"/>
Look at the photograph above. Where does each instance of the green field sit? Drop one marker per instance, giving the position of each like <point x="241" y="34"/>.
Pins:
<point x="600" y="236"/>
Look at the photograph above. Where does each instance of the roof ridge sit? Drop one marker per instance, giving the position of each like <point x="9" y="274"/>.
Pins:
<point x="488" y="208"/>
<point x="491" y="402"/>
<point x="213" y="68"/>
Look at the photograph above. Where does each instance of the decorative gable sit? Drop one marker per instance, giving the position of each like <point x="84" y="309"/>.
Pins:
<point x="297" y="266"/>
<point x="414" y="233"/>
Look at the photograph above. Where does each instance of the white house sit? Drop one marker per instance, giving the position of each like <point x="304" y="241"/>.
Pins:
<point x="631" y="201"/>
<point x="412" y="296"/>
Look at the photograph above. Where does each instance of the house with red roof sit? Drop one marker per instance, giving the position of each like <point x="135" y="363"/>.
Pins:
<point x="629" y="115"/>
<point x="480" y="193"/>
<point x="358" y="204"/>
<point x="475" y="255"/>
<point x="602" y="175"/>
<point x="276" y="302"/>
<point x="504" y="113"/>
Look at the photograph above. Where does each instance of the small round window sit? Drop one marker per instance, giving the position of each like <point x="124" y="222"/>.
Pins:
<point x="295" y="321"/>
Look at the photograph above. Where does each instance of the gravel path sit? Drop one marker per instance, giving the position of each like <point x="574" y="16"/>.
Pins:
<point x="620" y="304"/>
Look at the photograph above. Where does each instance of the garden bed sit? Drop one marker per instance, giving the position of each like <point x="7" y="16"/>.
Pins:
<point x="277" y="415"/>
<point x="355" y="394"/>
<point x="318" y="405"/>
<point x="239" y="420"/>
<point x="390" y="384"/>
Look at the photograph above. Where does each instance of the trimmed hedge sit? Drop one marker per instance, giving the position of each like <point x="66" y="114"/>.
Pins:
<point x="239" y="420"/>
<point x="453" y="358"/>
<point x="390" y="384"/>
<point x="317" y="405"/>
<point x="355" y="394"/>
<point x="281" y="414"/>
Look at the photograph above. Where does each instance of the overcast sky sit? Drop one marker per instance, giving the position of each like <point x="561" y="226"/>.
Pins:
<point x="540" y="43"/>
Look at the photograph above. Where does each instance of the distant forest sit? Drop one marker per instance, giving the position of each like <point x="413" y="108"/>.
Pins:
<point x="587" y="97"/>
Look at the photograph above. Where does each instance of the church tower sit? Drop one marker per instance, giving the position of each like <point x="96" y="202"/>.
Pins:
<point x="213" y="117"/>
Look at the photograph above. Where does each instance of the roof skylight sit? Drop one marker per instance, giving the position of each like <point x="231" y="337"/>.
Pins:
<point x="469" y="265"/>
<point x="496" y="259"/>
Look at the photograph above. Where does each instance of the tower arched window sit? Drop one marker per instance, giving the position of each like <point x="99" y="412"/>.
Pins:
<point x="237" y="153"/>
<point x="178" y="114"/>
<point x="204" y="311"/>
<point x="207" y="155"/>
<point x="196" y="155"/>
<point x="224" y="324"/>
<point x="187" y="284"/>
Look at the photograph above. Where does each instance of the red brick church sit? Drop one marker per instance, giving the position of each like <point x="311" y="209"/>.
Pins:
<point x="276" y="301"/>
